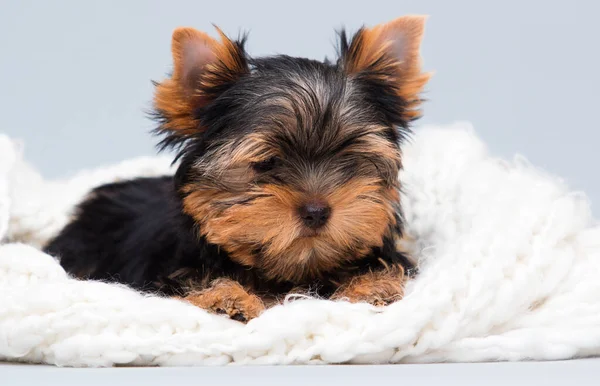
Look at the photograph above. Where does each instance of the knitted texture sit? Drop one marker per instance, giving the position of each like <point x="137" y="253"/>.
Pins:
<point x="509" y="258"/>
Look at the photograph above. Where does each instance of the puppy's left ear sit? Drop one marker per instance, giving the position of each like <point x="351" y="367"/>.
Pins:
<point x="203" y="68"/>
<point x="389" y="54"/>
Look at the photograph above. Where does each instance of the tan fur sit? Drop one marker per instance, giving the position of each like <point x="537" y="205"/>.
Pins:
<point x="361" y="212"/>
<point x="225" y="296"/>
<point x="198" y="61"/>
<point x="378" y="287"/>
<point x="393" y="48"/>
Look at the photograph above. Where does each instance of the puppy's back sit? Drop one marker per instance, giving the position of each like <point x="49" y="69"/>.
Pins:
<point x="123" y="232"/>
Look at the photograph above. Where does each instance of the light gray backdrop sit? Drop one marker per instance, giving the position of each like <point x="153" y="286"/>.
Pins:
<point x="75" y="75"/>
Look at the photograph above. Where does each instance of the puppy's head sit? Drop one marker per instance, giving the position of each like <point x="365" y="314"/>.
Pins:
<point x="291" y="164"/>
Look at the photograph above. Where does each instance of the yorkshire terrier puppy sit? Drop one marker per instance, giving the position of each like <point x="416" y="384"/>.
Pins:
<point x="287" y="178"/>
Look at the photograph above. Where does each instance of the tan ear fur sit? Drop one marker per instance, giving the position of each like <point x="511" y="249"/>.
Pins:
<point x="391" y="52"/>
<point x="199" y="64"/>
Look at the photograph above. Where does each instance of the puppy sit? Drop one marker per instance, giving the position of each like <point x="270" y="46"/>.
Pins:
<point x="287" y="177"/>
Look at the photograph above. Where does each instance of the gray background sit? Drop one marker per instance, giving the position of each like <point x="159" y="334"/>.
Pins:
<point x="75" y="80"/>
<point x="75" y="75"/>
<point x="581" y="373"/>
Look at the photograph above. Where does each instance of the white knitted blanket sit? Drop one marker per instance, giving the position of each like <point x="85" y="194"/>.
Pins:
<point x="510" y="270"/>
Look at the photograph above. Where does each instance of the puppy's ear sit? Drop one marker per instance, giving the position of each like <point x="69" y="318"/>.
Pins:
<point x="202" y="69"/>
<point x="389" y="54"/>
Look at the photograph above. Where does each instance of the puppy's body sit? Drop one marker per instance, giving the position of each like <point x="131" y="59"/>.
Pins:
<point x="288" y="177"/>
<point x="135" y="232"/>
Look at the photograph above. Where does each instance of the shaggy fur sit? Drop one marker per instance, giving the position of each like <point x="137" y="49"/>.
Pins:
<point x="287" y="177"/>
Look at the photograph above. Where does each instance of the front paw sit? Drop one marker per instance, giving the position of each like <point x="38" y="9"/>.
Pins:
<point x="378" y="288"/>
<point x="226" y="296"/>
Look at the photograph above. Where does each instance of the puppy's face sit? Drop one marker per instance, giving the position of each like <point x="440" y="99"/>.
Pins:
<point x="291" y="164"/>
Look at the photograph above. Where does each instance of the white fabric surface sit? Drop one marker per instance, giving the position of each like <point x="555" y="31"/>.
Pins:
<point x="510" y="267"/>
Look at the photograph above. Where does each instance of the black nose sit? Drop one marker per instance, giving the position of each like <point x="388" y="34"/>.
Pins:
<point x="315" y="214"/>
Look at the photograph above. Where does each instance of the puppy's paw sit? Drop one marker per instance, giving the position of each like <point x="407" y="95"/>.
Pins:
<point x="378" y="288"/>
<point x="225" y="296"/>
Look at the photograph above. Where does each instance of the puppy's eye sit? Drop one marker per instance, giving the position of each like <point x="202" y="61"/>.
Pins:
<point x="266" y="165"/>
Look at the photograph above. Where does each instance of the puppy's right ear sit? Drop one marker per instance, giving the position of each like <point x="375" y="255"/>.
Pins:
<point x="389" y="54"/>
<point x="203" y="68"/>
